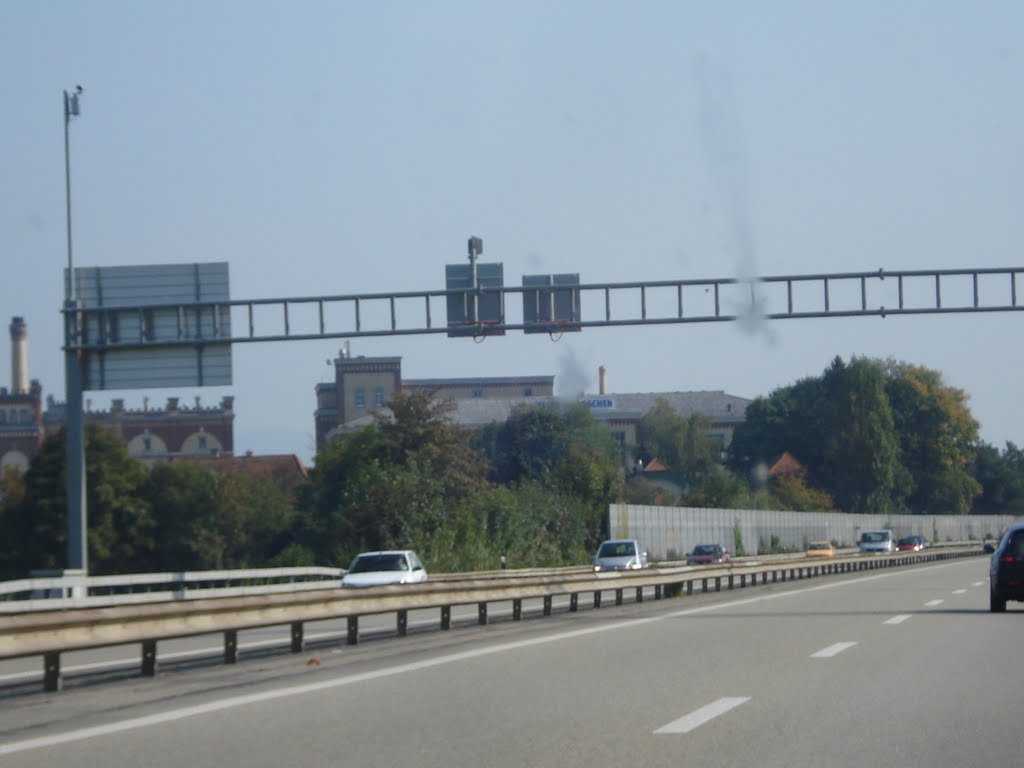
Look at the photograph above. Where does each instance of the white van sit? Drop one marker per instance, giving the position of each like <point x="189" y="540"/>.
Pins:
<point x="878" y="541"/>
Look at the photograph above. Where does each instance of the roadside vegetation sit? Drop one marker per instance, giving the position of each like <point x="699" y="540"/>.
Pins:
<point x="866" y="436"/>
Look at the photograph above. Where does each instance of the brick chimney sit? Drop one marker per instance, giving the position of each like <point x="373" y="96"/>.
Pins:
<point x="19" y="356"/>
<point x="602" y="381"/>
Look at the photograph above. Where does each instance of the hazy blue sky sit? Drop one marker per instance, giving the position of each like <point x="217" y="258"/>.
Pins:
<point x="344" y="147"/>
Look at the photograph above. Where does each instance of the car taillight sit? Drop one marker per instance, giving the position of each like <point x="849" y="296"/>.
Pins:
<point x="1008" y="558"/>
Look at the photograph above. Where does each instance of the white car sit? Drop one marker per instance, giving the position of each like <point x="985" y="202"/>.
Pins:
<point x="374" y="569"/>
<point x="877" y="541"/>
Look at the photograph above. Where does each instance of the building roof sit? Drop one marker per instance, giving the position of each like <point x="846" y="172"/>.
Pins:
<point x="786" y="464"/>
<point x="655" y="465"/>
<point x="469" y="382"/>
<point x="717" y="405"/>
<point x="286" y="470"/>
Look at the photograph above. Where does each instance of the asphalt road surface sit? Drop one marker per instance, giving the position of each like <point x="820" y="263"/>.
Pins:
<point x="901" y="667"/>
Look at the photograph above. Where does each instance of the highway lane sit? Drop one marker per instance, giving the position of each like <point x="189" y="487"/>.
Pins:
<point x="904" y="667"/>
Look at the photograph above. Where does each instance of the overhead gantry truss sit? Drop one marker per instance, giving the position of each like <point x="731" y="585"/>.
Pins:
<point x="664" y="302"/>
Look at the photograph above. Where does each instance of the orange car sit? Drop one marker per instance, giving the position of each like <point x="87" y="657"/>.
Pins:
<point x="820" y="549"/>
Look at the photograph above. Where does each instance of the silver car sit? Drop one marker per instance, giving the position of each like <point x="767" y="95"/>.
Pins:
<point x="620" y="555"/>
<point x="877" y="541"/>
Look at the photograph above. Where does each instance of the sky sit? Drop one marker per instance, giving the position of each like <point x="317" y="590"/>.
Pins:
<point x="327" y="148"/>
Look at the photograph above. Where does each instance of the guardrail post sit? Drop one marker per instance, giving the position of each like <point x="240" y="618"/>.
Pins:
<point x="730" y="581"/>
<point x="597" y="598"/>
<point x="353" y="630"/>
<point x="618" y="597"/>
<point x="689" y="587"/>
<point x="148" y="658"/>
<point x="52" y="679"/>
<point x="298" y="640"/>
<point x="657" y="591"/>
<point x="230" y="646"/>
<point x="481" y="612"/>
<point x="639" y="594"/>
<point x="403" y="623"/>
<point x="446" y="617"/>
<point x="573" y="602"/>
<point x="517" y="609"/>
<point x="547" y="605"/>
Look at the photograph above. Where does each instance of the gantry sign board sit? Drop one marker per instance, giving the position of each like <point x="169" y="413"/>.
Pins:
<point x="471" y="312"/>
<point x="184" y="303"/>
<point x="551" y="303"/>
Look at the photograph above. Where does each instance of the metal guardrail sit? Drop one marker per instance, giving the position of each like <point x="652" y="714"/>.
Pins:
<point x="51" y="633"/>
<point x="79" y="591"/>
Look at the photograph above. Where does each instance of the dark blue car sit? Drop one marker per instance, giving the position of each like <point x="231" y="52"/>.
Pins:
<point x="1006" y="571"/>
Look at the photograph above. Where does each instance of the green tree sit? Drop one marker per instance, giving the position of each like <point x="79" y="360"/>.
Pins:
<point x="861" y="452"/>
<point x="209" y="519"/>
<point x="791" y="491"/>
<point x="552" y="443"/>
<point x="390" y="484"/>
<point x="1001" y="476"/>
<point x="793" y="419"/>
<point x="120" y="527"/>
<point x="937" y="438"/>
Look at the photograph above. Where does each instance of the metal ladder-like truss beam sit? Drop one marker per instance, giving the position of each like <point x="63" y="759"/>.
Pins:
<point x="846" y="294"/>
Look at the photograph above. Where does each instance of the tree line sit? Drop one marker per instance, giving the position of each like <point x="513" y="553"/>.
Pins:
<point x="867" y="436"/>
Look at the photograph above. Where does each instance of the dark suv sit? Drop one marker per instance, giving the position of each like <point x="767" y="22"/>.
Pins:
<point x="1006" y="572"/>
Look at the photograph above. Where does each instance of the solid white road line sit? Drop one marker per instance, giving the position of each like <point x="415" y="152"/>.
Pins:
<point x="695" y="719"/>
<point x="832" y="650"/>
<point x="933" y="603"/>
<point x="897" y="619"/>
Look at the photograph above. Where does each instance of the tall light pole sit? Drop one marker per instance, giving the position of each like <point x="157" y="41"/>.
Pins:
<point x="74" y="431"/>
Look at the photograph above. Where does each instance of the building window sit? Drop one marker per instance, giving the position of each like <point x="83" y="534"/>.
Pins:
<point x="360" y="398"/>
<point x="147" y="444"/>
<point x="202" y="442"/>
<point x="478" y="393"/>
<point x="3" y="417"/>
<point x="378" y="397"/>
<point x="148" y="325"/>
<point x="113" y="329"/>
<point x="527" y="391"/>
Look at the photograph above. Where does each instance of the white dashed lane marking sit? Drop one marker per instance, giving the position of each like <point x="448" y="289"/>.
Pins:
<point x="898" y="619"/>
<point x="978" y="584"/>
<point x="697" y="718"/>
<point x="832" y="650"/>
<point x="933" y="603"/>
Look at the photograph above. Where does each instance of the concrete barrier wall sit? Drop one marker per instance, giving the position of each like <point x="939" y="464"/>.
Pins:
<point x="669" y="533"/>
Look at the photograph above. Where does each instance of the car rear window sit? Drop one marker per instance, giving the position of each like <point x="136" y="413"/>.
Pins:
<point x="705" y="549"/>
<point x="371" y="563"/>
<point x="617" y="549"/>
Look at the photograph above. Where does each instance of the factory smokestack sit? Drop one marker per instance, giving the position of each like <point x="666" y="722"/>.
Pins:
<point x="602" y="381"/>
<point x="19" y="356"/>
